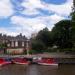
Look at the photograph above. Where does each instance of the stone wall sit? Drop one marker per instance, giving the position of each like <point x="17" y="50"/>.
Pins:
<point x="15" y="51"/>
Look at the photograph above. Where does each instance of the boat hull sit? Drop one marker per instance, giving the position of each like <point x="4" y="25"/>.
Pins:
<point x="21" y="61"/>
<point x="48" y="64"/>
<point x="4" y="63"/>
<point x="47" y="61"/>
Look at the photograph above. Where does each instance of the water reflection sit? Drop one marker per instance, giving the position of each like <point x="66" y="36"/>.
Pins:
<point x="66" y="69"/>
<point x="33" y="70"/>
<point x="14" y="69"/>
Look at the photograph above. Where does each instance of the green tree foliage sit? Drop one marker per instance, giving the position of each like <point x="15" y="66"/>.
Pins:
<point x="37" y="46"/>
<point x="73" y="15"/>
<point x="74" y="3"/>
<point x="73" y="11"/>
<point x="45" y="37"/>
<point x="42" y="41"/>
<point x="73" y="24"/>
<point x="3" y="45"/>
<point x="61" y="34"/>
<point x="73" y="33"/>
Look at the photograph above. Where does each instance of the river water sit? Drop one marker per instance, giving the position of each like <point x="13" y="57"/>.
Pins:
<point x="14" y="69"/>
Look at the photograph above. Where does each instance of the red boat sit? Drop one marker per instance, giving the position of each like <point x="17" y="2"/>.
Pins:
<point x="4" y="61"/>
<point x="22" y="61"/>
<point x="47" y="61"/>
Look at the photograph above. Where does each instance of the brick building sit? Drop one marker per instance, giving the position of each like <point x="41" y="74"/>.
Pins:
<point x="14" y="45"/>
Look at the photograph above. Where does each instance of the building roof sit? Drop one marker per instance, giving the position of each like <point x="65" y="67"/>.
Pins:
<point x="14" y="38"/>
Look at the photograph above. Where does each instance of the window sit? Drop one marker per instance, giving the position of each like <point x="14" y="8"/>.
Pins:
<point x="16" y="43"/>
<point x="12" y="43"/>
<point x="22" y="44"/>
<point x="8" y="45"/>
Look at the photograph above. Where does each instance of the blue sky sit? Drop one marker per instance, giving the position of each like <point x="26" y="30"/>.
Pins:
<point x="30" y="16"/>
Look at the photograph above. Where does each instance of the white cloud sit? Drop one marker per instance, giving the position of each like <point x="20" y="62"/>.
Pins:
<point x="8" y="31"/>
<point x="30" y="12"/>
<point x="63" y="9"/>
<point x="27" y="22"/>
<point x="5" y="8"/>
<point x="13" y="31"/>
<point x="29" y="26"/>
<point x="49" y="21"/>
<point x="55" y="18"/>
<point x="32" y="5"/>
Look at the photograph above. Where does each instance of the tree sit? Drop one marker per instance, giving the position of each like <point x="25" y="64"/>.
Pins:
<point x="37" y="46"/>
<point x="73" y="33"/>
<point x="42" y="41"/>
<point x="73" y="24"/>
<point x="3" y="46"/>
<point x="45" y="37"/>
<point x="61" y="34"/>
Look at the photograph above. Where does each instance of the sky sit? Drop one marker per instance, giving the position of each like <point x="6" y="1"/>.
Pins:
<point x="30" y="16"/>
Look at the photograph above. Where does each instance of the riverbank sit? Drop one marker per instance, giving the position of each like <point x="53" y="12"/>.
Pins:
<point x="50" y="55"/>
<point x="59" y="57"/>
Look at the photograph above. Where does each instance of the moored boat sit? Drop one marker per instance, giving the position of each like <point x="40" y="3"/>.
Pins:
<point x="4" y="61"/>
<point x="21" y="61"/>
<point x="47" y="61"/>
<point x="8" y="60"/>
<point x="34" y="60"/>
